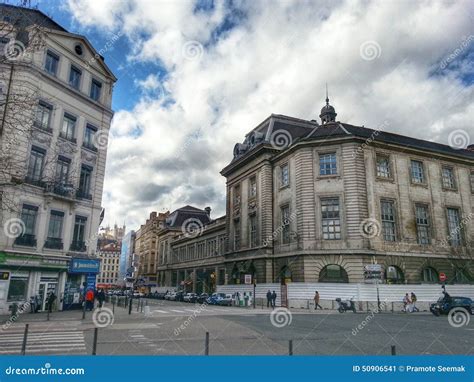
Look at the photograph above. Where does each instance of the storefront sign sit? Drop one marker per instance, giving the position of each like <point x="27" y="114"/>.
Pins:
<point x="84" y="266"/>
<point x="4" y="276"/>
<point x="91" y="281"/>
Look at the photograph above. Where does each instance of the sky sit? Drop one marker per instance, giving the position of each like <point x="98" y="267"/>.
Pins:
<point x="195" y="76"/>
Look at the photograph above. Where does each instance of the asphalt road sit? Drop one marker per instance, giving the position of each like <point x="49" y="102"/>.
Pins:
<point x="173" y="328"/>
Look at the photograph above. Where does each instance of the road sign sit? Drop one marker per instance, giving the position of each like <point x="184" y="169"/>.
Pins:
<point x="372" y="273"/>
<point x="442" y="277"/>
<point x="373" y="268"/>
<point x="248" y="279"/>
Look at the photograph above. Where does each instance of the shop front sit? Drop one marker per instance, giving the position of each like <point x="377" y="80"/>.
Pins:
<point x="81" y="276"/>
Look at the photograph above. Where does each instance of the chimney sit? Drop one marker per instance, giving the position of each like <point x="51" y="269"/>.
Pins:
<point x="208" y="211"/>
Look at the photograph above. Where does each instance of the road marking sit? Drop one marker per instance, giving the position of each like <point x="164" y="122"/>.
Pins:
<point x="177" y="311"/>
<point x="160" y="311"/>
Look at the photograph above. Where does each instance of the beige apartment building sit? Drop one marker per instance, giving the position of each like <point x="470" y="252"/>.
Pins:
<point x="55" y="109"/>
<point x="109" y="257"/>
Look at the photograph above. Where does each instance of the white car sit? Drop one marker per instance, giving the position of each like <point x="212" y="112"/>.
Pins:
<point x="171" y="296"/>
<point x="190" y="297"/>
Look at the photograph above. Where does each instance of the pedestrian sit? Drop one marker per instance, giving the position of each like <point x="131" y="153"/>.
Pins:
<point x="413" y="302"/>
<point x="101" y="297"/>
<point x="406" y="303"/>
<point x="32" y="304"/>
<point x="90" y="299"/>
<point x="316" y="301"/>
<point x="37" y="304"/>
<point x="51" y="299"/>
<point x="274" y="298"/>
<point x="269" y="298"/>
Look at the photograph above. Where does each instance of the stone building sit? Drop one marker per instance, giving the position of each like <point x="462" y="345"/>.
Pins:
<point x="55" y="110"/>
<point x="109" y="257"/>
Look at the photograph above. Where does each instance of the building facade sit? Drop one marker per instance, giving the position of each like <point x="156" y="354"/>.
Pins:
<point x="109" y="257"/>
<point x="56" y="94"/>
<point x="333" y="202"/>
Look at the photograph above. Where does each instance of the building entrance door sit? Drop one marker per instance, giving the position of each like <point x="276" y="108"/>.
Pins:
<point x="45" y="288"/>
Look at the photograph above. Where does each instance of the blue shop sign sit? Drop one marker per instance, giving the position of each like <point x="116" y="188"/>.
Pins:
<point x="84" y="266"/>
<point x="90" y="280"/>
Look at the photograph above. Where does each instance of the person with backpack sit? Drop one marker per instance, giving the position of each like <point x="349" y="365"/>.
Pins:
<point x="413" y="302"/>
<point x="90" y="299"/>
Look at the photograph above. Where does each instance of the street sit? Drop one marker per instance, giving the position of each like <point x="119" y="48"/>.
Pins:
<point x="175" y="328"/>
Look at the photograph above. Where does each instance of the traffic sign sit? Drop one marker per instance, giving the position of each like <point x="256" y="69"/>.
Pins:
<point x="442" y="277"/>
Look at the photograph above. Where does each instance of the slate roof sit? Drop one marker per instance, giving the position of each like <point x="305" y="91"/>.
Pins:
<point x="179" y="216"/>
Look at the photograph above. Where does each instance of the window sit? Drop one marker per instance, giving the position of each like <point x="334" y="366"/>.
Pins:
<point x="383" y="166"/>
<point x="448" y="177"/>
<point x="51" y="64"/>
<point x="394" y="275"/>
<point x="69" y="127"/>
<point x="454" y="227"/>
<point x="75" y="77"/>
<point x="236" y="234"/>
<point x="429" y="275"/>
<point x="327" y="164"/>
<point x="285" y="223"/>
<point x="253" y="230"/>
<point x="333" y="274"/>
<point x="388" y="220"/>
<point x="18" y="288"/>
<point x="331" y="221"/>
<point x="62" y="170"/>
<point x="55" y="224"/>
<point x="422" y="224"/>
<point x="36" y="163"/>
<point x="79" y="234"/>
<point x="284" y="172"/>
<point x="43" y="115"/>
<point x="89" y="137"/>
<point x="96" y="88"/>
<point x="417" y="172"/>
<point x="85" y="182"/>
<point x="28" y="217"/>
<point x="253" y="187"/>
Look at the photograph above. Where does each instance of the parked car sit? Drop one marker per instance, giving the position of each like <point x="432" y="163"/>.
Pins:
<point x="170" y="296"/>
<point x="446" y="303"/>
<point x="202" y="298"/>
<point x="190" y="297"/>
<point x="216" y="298"/>
<point x="179" y="296"/>
<point x="225" y="300"/>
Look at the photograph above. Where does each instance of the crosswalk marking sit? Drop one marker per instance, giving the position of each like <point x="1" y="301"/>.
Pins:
<point x="53" y="341"/>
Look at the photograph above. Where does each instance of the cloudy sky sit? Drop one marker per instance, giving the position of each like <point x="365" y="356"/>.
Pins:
<point x="195" y="76"/>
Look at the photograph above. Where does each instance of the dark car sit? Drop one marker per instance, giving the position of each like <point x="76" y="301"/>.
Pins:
<point x="446" y="303"/>
<point x="202" y="298"/>
<point x="179" y="296"/>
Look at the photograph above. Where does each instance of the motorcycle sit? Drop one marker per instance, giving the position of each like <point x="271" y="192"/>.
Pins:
<point x="346" y="305"/>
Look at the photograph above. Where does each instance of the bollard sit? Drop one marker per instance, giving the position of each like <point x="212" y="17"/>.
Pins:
<point x="141" y="307"/>
<point x="206" y="346"/>
<point x="394" y="350"/>
<point x="25" y="336"/>
<point x="83" y="310"/>
<point x="290" y="347"/>
<point x="47" y="316"/>
<point x="138" y="303"/>
<point x="113" y="306"/>
<point x="130" y="306"/>
<point x="94" y="344"/>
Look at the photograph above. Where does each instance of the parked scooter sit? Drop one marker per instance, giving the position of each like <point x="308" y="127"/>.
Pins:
<point x="346" y="305"/>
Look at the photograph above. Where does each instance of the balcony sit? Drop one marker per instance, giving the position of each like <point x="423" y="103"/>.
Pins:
<point x="42" y="127"/>
<point x="63" y="190"/>
<point x="26" y="240"/>
<point x="81" y="194"/>
<point x="53" y="243"/>
<point x="34" y="182"/>
<point x="89" y="146"/>
<point x="63" y="136"/>
<point x="78" y="246"/>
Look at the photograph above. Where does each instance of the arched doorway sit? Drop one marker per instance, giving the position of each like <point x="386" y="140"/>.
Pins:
<point x="333" y="273"/>
<point x="394" y="275"/>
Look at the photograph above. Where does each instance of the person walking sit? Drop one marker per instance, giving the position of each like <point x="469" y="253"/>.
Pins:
<point x="406" y="303"/>
<point x="269" y="298"/>
<point x="413" y="302"/>
<point x="274" y="298"/>
<point x="316" y="301"/>
<point x="101" y="297"/>
<point x="90" y="299"/>
<point x="51" y="299"/>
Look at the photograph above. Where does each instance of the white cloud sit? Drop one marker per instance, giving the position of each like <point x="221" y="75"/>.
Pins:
<point x="276" y="60"/>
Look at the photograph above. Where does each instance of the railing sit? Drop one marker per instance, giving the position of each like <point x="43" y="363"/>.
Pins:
<point x="89" y="146"/>
<point x="61" y="189"/>
<point x="26" y="240"/>
<point x="78" y="246"/>
<point x="53" y="243"/>
<point x="83" y="195"/>
<point x="35" y="182"/>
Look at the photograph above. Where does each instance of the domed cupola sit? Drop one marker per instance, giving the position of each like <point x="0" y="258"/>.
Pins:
<point x="328" y="113"/>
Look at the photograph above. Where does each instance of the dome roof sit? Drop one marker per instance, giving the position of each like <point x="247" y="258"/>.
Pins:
<point x="327" y="109"/>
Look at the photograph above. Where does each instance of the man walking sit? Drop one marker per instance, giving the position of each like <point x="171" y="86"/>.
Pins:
<point x="274" y="298"/>
<point x="316" y="301"/>
<point x="269" y="298"/>
<point x="90" y="299"/>
<point x="413" y="302"/>
<point x="51" y="299"/>
<point x="101" y="297"/>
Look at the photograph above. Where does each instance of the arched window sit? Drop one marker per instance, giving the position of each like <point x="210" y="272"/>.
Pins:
<point x="333" y="274"/>
<point x="429" y="275"/>
<point x="394" y="275"/>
